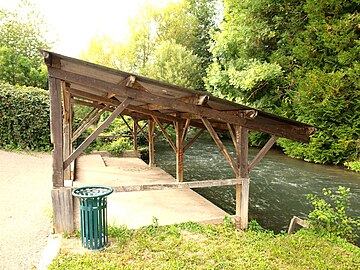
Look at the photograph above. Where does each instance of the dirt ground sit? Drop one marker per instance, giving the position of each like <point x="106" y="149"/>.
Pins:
<point x="25" y="203"/>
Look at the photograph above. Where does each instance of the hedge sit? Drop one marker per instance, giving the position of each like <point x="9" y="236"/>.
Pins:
<point x="24" y="118"/>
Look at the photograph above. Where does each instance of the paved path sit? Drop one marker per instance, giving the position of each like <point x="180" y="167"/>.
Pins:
<point x="25" y="184"/>
<point x="136" y="209"/>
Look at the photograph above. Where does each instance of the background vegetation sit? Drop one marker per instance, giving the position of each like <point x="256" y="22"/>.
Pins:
<point x="298" y="59"/>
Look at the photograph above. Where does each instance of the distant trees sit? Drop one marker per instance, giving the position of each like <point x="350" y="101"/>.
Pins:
<point x="21" y="33"/>
<point x="168" y="43"/>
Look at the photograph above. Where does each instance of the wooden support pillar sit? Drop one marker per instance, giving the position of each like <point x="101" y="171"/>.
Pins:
<point x="151" y="128"/>
<point x="242" y="191"/>
<point x="62" y="202"/>
<point x="135" y="132"/>
<point x="179" y="129"/>
<point x="56" y="129"/>
<point x="67" y="129"/>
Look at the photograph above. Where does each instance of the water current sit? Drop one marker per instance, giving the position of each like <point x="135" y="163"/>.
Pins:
<point x="279" y="185"/>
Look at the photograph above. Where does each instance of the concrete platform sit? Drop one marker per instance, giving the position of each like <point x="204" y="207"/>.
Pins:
<point x="136" y="209"/>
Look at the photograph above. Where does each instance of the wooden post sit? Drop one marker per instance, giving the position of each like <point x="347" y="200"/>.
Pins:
<point x="151" y="127"/>
<point x="135" y="131"/>
<point x="56" y="129"/>
<point x="179" y="129"/>
<point x="62" y="202"/>
<point x="67" y="126"/>
<point x="242" y="191"/>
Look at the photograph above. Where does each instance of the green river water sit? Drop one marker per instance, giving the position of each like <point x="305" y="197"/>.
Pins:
<point x="279" y="185"/>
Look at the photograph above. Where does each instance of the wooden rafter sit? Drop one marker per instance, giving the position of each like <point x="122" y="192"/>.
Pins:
<point x="163" y="130"/>
<point x="262" y="152"/>
<point x="123" y="91"/>
<point x="220" y="145"/>
<point x="197" y="135"/>
<point x="96" y="132"/>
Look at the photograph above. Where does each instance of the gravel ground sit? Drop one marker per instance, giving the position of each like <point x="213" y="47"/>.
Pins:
<point x="25" y="184"/>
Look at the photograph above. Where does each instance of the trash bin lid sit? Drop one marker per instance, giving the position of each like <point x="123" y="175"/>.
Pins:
<point x="92" y="191"/>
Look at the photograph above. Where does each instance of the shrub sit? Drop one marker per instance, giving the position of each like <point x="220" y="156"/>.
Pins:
<point x="116" y="148"/>
<point x="329" y="214"/>
<point x="24" y="118"/>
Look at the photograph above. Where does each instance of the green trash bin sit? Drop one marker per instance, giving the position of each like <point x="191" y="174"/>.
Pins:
<point x="93" y="216"/>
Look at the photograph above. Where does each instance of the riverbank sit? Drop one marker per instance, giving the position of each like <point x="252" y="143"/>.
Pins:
<point x="193" y="246"/>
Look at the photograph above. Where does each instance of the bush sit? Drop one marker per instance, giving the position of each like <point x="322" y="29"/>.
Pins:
<point x="329" y="214"/>
<point x="116" y="148"/>
<point x="24" y="118"/>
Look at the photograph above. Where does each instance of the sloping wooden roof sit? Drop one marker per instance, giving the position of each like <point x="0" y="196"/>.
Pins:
<point x="101" y="87"/>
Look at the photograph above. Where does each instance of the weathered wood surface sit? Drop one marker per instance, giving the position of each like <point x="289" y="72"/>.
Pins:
<point x="62" y="201"/>
<point x="163" y="130"/>
<point x="179" y="129"/>
<point x="297" y="221"/>
<point x="197" y="135"/>
<point x="67" y="128"/>
<point x="220" y="145"/>
<point x="182" y="185"/>
<point x="56" y="128"/>
<point x="259" y="156"/>
<point x="96" y="132"/>
<point x="242" y="192"/>
<point x="151" y="140"/>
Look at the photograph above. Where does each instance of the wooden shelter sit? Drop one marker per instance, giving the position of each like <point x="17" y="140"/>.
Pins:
<point x="72" y="81"/>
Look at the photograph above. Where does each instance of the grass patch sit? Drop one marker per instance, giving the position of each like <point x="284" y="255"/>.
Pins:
<point x="193" y="246"/>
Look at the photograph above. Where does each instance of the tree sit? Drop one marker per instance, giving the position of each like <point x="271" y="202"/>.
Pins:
<point x="299" y="59"/>
<point x="152" y="33"/>
<point x="21" y="34"/>
<point x="173" y="63"/>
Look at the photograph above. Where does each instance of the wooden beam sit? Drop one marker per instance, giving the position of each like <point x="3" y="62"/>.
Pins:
<point x="159" y="133"/>
<point x="113" y="102"/>
<point x="179" y="129"/>
<point x="262" y="152"/>
<point x="96" y="132"/>
<point x="127" y="124"/>
<point x="242" y="192"/>
<point x="56" y="128"/>
<point x="151" y="130"/>
<point x="135" y="132"/>
<point x="142" y="96"/>
<point x="197" y="135"/>
<point x="233" y="137"/>
<point x="186" y="128"/>
<point x="220" y="145"/>
<point x="183" y="185"/>
<point x="67" y="128"/>
<point x="297" y="221"/>
<point x="142" y="130"/>
<point x="63" y="209"/>
<point x="88" y="123"/>
<point x="165" y="133"/>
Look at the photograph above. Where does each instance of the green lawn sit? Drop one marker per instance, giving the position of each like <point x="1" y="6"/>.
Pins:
<point x="193" y="246"/>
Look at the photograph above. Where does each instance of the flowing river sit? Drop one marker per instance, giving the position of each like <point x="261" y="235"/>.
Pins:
<point x="279" y="185"/>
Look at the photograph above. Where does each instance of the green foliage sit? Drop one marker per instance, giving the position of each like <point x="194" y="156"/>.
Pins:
<point x="329" y="214"/>
<point x="117" y="147"/>
<point x="21" y="34"/>
<point x="173" y="63"/>
<point x="298" y="59"/>
<point x="24" y="118"/>
<point x="353" y="165"/>
<point x="193" y="246"/>
<point x="168" y="43"/>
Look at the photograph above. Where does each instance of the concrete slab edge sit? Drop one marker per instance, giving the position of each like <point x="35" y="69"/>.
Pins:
<point x="50" y="251"/>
